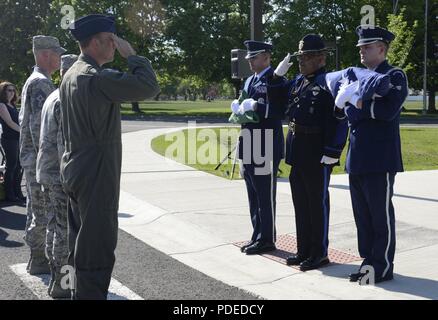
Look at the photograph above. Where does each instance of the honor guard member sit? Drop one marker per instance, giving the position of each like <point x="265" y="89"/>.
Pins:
<point x="314" y="144"/>
<point x="374" y="156"/>
<point x="47" y="52"/>
<point x="48" y="175"/>
<point x="260" y="149"/>
<point x="91" y="165"/>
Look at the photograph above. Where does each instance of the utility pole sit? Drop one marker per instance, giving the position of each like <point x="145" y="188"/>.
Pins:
<point x="338" y="54"/>
<point x="394" y="6"/>
<point x="426" y="10"/>
<point x="257" y="20"/>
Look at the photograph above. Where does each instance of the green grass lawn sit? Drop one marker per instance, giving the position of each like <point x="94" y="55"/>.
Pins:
<point x="419" y="147"/>
<point x="216" y="108"/>
<point x="221" y="109"/>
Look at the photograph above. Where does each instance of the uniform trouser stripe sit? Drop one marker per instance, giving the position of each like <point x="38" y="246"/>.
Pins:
<point x="388" y="193"/>
<point x="272" y="202"/>
<point x="325" y="211"/>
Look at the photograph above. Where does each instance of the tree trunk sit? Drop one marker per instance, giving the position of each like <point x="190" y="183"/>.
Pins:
<point x="135" y="107"/>
<point x="432" y="107"/>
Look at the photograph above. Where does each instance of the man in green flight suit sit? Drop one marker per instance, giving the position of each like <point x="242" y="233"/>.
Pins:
<point x="90" y="167"/>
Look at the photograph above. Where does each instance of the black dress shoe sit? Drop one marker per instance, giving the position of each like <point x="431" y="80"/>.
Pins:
<point x="294" y="259"/>
<point x="314" y="263"/>
<point x="386" y="278"/>
<point x="21" y="198"/>
<point x="354" y="277"/>
<point x="243" y="248"/>
<point x="12" y="199"/>
<point x="260" y="247"/>
<point x="377" y="279"/>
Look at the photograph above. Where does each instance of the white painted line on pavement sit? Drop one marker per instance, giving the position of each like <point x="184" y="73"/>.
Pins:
<point x="39" y="284"/>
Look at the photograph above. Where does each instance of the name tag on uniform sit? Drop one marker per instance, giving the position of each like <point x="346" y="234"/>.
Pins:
<point x="261" y="89"/>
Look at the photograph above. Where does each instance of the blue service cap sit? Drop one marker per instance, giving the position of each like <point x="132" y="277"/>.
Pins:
<point x="256" y="47"/>
<point x="370" y="34"/>
<point x="92" y="24"/>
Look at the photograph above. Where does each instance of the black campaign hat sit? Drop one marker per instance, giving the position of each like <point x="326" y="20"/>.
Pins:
<point x="309" y="44"/>
<point x="370" y="34"/>
<point x="256" y="47"/>
<point x="92" y="24"/>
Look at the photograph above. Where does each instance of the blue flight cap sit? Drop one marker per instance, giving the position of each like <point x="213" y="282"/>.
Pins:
<point x="92" y="24"/>
<point x="370" y="34"/>
<point x="256" y="47"/>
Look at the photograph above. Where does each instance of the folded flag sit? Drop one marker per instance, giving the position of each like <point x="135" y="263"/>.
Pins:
<point x="369" y="84"/>
<point x="247" y="117"/>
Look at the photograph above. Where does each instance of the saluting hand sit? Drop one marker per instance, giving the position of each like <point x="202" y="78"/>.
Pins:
<point x="283" y="66"/>
<point x="123" y="47"/>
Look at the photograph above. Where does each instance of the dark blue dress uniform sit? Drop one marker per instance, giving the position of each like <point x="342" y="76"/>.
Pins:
<point x="313" y="132"/>
<point x="261" y="148"/>
<point x="373" y="159"/>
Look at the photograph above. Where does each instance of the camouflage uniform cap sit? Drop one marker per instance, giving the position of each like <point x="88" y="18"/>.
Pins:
<point x="47" y="42"/>
<point x="67" y="61"/>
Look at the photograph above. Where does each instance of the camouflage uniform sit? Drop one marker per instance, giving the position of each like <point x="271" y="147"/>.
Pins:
<point x="47" y="174"/>
<point x="35" y="91"/>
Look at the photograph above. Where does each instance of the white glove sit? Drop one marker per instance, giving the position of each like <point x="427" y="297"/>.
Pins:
<point x="328" y="160"/>
<point x="354" y="99"/>
<point x="247" y="105"/>
<point x="235" y="106"/>
<point x="283" y="66"/>
<point x="345" y="93"/>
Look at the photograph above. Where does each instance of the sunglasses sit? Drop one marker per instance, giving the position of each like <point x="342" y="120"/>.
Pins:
<point x="306" y="57"/>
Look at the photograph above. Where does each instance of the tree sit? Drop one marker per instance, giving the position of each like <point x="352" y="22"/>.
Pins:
<point x="330" y="19"/>
<point x="412" y="17"/>
<point x="16" y="58"/>
<point x="141" y="22"/>
<point x="403" y="43"/>
<point x="204" y="32"/>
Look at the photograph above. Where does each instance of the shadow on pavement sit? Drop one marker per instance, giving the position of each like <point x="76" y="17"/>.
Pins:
<point x="420" y="287"/>
<point x="6" y="243"/>
<point x="12" y="220"/>
<point x="176" y="119"/>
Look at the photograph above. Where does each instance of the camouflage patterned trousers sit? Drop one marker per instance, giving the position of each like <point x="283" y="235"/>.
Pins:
<point x="36" y="223"/>
<point x="56" y="242"/>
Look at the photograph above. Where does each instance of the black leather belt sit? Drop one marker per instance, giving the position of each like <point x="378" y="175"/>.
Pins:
<point x="297" y="128"/>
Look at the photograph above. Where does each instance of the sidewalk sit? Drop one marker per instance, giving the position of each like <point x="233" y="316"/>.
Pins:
<point x="197" y="218"/>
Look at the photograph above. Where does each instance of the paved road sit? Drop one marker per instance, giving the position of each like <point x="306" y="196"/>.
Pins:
<point x="144" y="270"/>
<point x="137" y="125"/>
<point x="141" y="268"/>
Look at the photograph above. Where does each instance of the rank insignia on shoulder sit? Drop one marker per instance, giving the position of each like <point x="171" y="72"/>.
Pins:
<point x="261" y="101"/>
<point x="316" y="90"/>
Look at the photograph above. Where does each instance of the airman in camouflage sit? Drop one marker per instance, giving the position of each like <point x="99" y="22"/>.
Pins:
<point x="37" y="88"/>
<point x="50" y="151"/>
